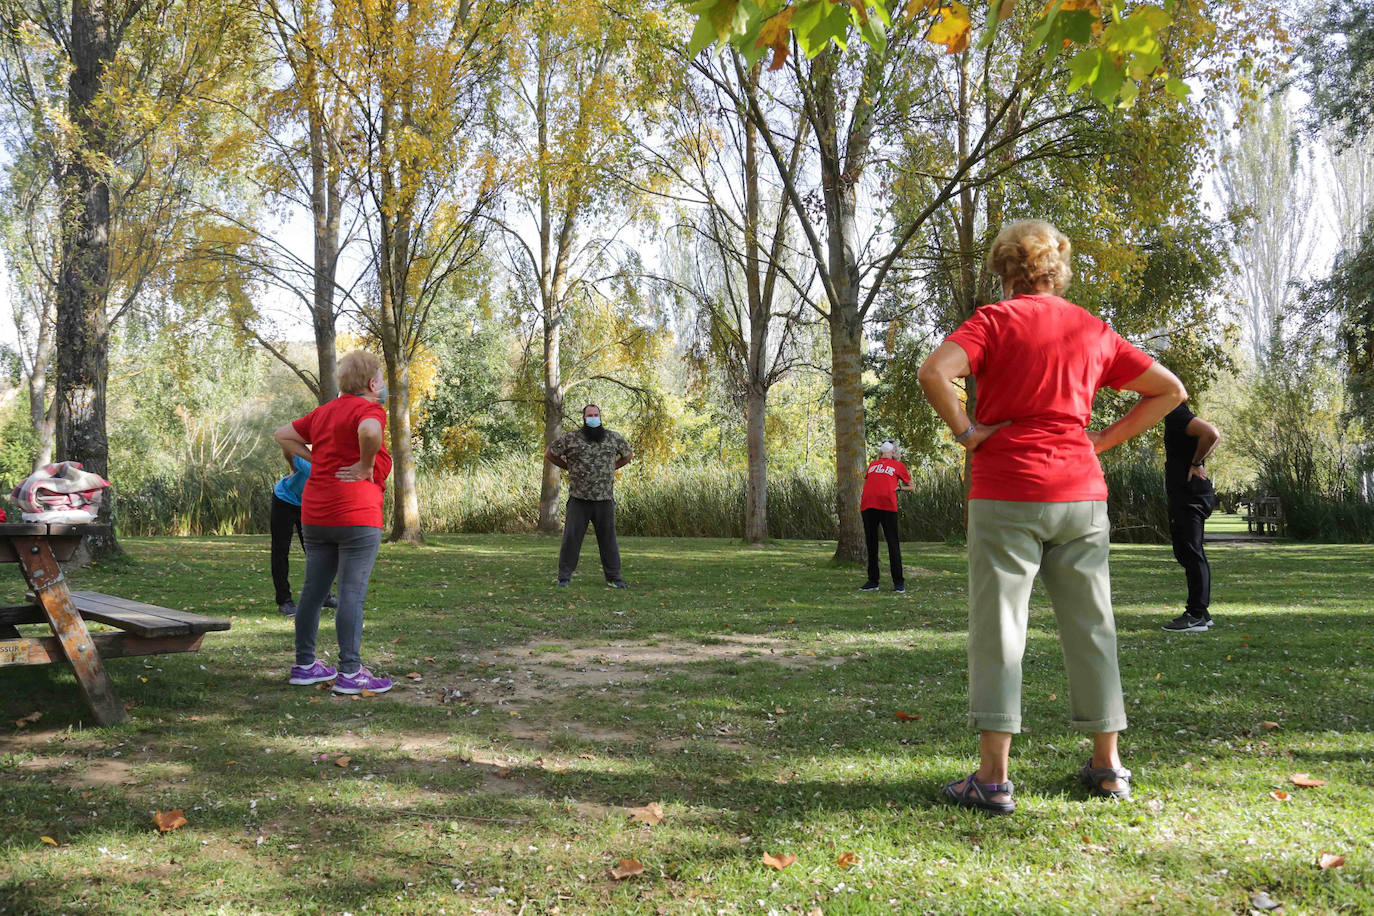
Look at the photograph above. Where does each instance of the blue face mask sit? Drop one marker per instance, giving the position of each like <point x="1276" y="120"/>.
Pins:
<point x="593" y="422"/>
<point x="381" y="396"/>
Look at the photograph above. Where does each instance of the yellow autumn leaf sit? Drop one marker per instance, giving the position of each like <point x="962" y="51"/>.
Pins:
<point x="50" y="841"/>
<point x="953" y="29"/>
<point x="776" y="33"/>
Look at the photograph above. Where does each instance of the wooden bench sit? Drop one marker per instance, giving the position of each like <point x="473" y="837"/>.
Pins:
<point x="145" y="629"/>
<point x="1265" y="516"/>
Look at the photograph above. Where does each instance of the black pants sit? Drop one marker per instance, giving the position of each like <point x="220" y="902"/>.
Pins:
<point x="1186" y="521"/>
<point x="285" y="519"/>
<point x="601" y="514"/>
<point x="872" y="519"/>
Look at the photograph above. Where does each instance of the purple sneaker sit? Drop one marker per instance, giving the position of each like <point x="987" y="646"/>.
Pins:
<point x="312" y="675"/>
<point x="362" y="680"/>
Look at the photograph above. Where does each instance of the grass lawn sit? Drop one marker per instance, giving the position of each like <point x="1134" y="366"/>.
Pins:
<point x="753" y="693"/>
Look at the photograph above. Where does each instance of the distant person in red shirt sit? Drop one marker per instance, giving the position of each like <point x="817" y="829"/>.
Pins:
<point x="1038" y="502"/>
<point x="878" y="506"/>
<point x="341" y="517"/>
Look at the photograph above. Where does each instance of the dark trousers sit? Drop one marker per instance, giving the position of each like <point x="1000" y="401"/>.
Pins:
<point x="601" y="514"/>
<point x="872" y="519"/>
<point x="286" y="518"/>
<point x="1186" y="520"/>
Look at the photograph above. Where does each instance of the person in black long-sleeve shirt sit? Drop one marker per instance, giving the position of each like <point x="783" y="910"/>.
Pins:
<point x="1188" y="440"/>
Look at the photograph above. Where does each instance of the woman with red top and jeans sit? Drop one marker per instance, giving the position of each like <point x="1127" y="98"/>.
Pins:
<point x="341" y="518"/>
<point x="1038" y="501"/>
<point x="878" y="506"/>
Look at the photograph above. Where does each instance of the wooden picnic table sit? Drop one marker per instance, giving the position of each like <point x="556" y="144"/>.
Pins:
<point x="38" y="549"/>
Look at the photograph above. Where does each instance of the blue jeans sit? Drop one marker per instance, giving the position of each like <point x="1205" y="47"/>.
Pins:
<point x="348" y="552"/>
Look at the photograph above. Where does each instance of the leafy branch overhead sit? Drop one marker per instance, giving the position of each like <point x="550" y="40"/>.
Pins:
<point x="1114" y="48"/>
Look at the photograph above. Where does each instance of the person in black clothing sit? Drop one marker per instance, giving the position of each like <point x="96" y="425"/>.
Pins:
<point x="1188" y="440"/>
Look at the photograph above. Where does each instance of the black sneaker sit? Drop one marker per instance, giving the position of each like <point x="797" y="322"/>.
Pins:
<point x="869" y="587"/>
<point x="287" y="608"/>
<point x="616" y="583"/>
<point x="900" y="588"/>
<point x="562" y="583"/>
<point x="332" y="600"/>
<point x="1188" y="623"/>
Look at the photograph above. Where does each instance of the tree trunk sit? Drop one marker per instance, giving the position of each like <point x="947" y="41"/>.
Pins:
<point x="81" y="333"/>
<point x="42" y="408"/>
<point x="325" y="209"/>
<point x="552" y="480"/>
<point x="846" y="357"/>
<point x="756" y="500"/>
<point x="405" y="508"/>
<point x="840" y="173"/>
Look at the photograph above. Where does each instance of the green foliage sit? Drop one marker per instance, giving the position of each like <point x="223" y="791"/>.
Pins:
<point x="1115" y="53"/>
<point x="1306" y="448"/>
<point x="18" y="445"/>
<point x="1346" y="297"/>
<point x="1339" y="52"/>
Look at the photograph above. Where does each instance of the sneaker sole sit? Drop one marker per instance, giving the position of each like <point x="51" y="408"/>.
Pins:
<point x="307" y="681"/>
<point x="351" y="691"/>
<point x="1197" y="629"/>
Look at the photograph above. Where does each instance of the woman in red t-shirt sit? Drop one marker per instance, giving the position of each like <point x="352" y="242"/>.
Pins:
<point x="341" y="518"/>
<point x="878" y="506"/>
<point x="1038" y="498"/>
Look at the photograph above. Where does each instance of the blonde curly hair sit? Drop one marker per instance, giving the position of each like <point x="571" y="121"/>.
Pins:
<point x="1029" y="255"/>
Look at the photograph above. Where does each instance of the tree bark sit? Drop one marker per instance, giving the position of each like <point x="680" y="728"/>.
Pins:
<point x="81" y="332"/>
<point x="42" y="408"/>
<point x="552" y="480"/>
<point x="840" y="173"/>
<point x="756" y="499"/>
<point x="405" y="509"/>
<point x="325" y="208"/>
<point x="846" y="355"/>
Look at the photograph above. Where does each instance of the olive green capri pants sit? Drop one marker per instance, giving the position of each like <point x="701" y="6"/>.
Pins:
<point x="1067" y="544"/>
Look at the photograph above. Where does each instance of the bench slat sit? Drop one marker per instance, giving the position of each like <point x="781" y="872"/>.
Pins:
<point x="146" y="620"/>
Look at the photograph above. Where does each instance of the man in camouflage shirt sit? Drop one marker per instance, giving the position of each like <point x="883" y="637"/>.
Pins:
<point x="591" y="456"/>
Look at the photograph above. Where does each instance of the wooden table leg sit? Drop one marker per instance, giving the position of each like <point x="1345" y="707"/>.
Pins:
<point x="50" y="586"/>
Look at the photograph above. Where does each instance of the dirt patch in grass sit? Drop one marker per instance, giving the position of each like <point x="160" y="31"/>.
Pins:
<point x="547" y="670"/>
<point x="93" y="773"/>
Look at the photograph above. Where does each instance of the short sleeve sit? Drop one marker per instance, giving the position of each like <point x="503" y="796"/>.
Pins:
<point x="902" y="473"/>
<point x="373" y="411"/>
<point x="1124" y="362"/>
<point x="973" y="337"/>
<point x="559" y="447"/>
<point x="305" y="426"/>
<point x="622" y="447"/>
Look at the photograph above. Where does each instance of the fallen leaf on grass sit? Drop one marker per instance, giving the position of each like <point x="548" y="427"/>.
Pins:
<point x="626" y="868"/>
<point x="847" y="860"/>
<point x="1269" y="725"/>
<point x="26" y="721"/>
<point x="414" y="675"/>
<point x="1329" y="860"/>
<point x="906" y="716"/>
<point x="343" y="761"/>
<point x="398" y="639"/>
<point x="430" y="658"/>
<point x="49" y="840"/>
<point x="169" y="820"/>
<point x="369" y="693"/>
<point x="1262" y="901"/>
<point x="1302" y="779"/>
<point x="650" y="814"/>
<point x="778" y="862"/>
<point x="587" y="756"/>
<point x="1279" y="795"/>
